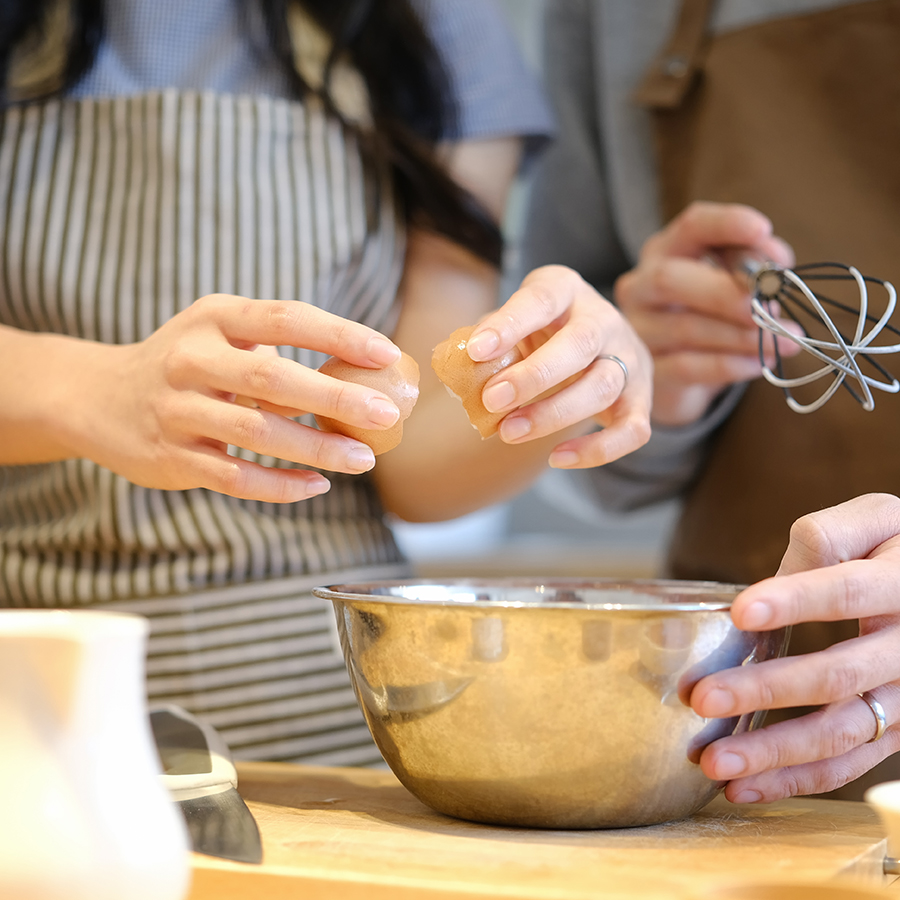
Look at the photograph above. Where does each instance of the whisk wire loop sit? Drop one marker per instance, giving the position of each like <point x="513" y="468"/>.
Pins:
<point x="772" y="283"/>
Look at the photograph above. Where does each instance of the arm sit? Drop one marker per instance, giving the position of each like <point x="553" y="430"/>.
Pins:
<point x="841" y="563"/>
<point x="442" y="468"/>
<point x="162" y="413"/>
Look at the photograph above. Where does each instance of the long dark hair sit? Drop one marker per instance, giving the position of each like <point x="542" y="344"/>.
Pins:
<point x="412" y="104"/>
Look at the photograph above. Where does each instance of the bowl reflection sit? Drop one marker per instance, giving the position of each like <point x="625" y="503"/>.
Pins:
<point x="552" y="704"/>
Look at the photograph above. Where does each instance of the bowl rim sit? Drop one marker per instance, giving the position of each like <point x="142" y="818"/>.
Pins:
<point x="352" y="592"/>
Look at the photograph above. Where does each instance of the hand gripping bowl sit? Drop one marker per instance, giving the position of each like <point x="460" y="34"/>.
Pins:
<point x="549" y="704"/>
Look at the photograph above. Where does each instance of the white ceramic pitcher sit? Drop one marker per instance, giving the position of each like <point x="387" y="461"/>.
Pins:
<point x="83" y="812"/>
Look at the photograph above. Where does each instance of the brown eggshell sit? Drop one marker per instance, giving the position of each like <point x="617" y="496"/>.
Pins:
<point x="399" y="381"/>
<point x="465" y="378"/>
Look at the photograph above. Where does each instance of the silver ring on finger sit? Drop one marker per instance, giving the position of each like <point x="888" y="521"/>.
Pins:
<point x="616" y="359"/>
<point x="878" y="712"/>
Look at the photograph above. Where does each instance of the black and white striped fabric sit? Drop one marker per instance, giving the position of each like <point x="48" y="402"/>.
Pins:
<point x="179" y="166"/>
<point x="114" y="215"/>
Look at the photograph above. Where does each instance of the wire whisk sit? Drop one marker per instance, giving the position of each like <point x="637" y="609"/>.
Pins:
<point x="776" y="289"/>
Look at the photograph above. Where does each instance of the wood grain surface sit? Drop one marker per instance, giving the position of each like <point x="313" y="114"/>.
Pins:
<point x="358" y="834"/>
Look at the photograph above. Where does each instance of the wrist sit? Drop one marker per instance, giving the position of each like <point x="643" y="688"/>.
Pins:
<point x="48" y="395"/>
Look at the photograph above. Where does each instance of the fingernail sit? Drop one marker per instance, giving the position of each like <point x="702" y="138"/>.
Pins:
<point x="747" y="797"/>
<point x="756" y="616"/>
<point x="380" y="350"/>
<point x="498" y="397"/>
<point x="483" y="344"/>
<point x="563" y="459"/>
<point x="382" y="412"/>
<point x="360" y="459"/>
<point x="317" y="484"/>
<point x="717" y="703"/>
<point x="729" y="765"/>
<point x="514" y="429"/>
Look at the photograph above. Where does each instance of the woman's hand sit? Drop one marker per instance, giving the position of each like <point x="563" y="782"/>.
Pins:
<point x="162" y="412"/>
<point x="695" y="317"/>
<point x="578" y="348"/>
<point x="841" y="563"/>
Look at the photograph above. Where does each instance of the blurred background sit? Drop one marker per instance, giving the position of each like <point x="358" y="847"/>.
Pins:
<point x="552" y="529"/>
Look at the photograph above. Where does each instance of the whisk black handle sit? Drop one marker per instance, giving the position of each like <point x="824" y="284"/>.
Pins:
<point x="764" y="278"/>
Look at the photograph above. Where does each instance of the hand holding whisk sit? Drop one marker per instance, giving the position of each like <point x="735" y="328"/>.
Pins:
<point x="775" y="288"/>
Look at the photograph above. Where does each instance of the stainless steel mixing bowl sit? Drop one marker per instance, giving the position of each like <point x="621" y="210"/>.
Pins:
<point x="549" y="704"/>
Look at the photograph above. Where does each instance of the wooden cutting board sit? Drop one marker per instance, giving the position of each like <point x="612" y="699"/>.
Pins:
<point x="358" y="834"/>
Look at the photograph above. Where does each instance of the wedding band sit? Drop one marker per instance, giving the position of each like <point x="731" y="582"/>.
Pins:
<point x="616" y="359"/>
<point x="878" y="712"/>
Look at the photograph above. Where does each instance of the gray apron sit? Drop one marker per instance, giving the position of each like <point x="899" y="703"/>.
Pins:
<point x="114" y="215"/>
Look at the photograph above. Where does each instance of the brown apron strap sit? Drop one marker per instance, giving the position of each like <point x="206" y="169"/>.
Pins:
<point x="672" y="73"/>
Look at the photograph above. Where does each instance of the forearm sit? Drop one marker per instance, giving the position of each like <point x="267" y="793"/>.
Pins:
<point x="162" y="413"/>
<point x="577" y="349"/>
<point x="444" y="469"/>
<point x="44" y="381"/>
<point x="576" y="346"/>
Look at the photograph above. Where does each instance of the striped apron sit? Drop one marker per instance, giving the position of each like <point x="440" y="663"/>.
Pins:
<point x="115" y="214"/>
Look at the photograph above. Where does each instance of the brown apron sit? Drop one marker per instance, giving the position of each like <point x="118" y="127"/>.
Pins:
<point x="800" y="118"/>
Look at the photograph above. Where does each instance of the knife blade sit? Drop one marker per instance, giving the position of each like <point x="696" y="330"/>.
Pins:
<point x="199" y="773"/>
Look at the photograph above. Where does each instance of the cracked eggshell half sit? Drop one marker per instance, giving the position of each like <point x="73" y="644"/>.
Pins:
<point x="465" y="379"/>
<point x="399" y="381"/>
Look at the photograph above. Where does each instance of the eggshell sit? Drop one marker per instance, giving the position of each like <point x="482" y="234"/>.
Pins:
<point x="399" y="381"/>
<point x="465" y="378"/>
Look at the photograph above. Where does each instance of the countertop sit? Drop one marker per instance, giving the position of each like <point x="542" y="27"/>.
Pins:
<point x="349" y="834"/>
